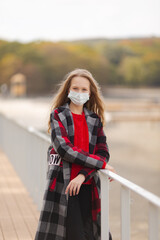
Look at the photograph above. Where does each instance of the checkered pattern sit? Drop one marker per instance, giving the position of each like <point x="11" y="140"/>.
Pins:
<point x="52" y="221"/>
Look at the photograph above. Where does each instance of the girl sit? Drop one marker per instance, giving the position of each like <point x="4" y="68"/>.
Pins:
<point x="71" y="202"/>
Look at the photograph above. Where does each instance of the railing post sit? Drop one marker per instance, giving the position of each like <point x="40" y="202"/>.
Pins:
<point x="104" y="206"/>
<point x="125" y="213"/>
<point x="153" y="222"/>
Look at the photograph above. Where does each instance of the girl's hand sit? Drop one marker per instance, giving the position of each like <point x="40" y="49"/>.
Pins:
<point x="110" y="168"/>
<point x="75" y="184"/>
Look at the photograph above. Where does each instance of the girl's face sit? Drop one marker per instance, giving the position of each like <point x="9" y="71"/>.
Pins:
<point x="80" y="84"/>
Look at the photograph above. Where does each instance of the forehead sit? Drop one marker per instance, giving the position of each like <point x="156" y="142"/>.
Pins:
<point x="80" y="81"/>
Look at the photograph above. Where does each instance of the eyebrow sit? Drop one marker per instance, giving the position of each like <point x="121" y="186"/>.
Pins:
<point x="77" y="86"/>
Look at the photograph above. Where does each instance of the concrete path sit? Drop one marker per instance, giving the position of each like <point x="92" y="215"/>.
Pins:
<point x="18" y="214"/>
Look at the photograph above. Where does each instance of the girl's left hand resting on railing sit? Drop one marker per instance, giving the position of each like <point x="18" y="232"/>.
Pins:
<point x="75" y="184"/>
<point x="110" y="168"/>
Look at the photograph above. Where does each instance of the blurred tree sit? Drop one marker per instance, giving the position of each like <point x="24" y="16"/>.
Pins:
<point x="132" y="71"/>
<point x="115" y="53"/>
<point x="152" y="73"/>
<point x="9" y="65"/>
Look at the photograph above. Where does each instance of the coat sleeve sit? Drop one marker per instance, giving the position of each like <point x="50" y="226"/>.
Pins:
<point x="67" y="150"/>
<point x="101" y="149"/>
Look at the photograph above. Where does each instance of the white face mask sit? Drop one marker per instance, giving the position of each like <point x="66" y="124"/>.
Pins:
<point x="78" y="98"/>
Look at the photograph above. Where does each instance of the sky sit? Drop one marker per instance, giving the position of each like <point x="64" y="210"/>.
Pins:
<point x="56" y="20"/>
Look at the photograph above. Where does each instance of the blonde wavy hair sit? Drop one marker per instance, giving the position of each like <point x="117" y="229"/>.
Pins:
<point x="95" y="102"/>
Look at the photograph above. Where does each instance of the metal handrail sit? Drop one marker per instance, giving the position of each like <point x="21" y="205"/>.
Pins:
<point x="126" y="187"/>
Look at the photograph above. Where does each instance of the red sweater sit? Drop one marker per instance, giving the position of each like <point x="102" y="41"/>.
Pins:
<point x="81" y="140"/>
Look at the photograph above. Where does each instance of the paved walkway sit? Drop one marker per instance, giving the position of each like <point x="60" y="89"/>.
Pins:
<point x="18" y="214"/>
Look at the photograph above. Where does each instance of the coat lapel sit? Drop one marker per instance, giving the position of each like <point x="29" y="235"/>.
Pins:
<point x="67" y="120"/>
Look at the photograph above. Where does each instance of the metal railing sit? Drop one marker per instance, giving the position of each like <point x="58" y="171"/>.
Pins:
<point x="126" y="187"/>
<point x="27" y="148"/>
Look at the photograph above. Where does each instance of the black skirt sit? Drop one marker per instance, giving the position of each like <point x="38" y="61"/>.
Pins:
<point x="79" y="215"/>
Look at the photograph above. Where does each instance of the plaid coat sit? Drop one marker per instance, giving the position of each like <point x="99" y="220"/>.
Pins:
<point x="52" y="221"/>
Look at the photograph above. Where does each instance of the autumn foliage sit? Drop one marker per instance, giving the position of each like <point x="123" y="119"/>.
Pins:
<point x="127" y="62"/>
